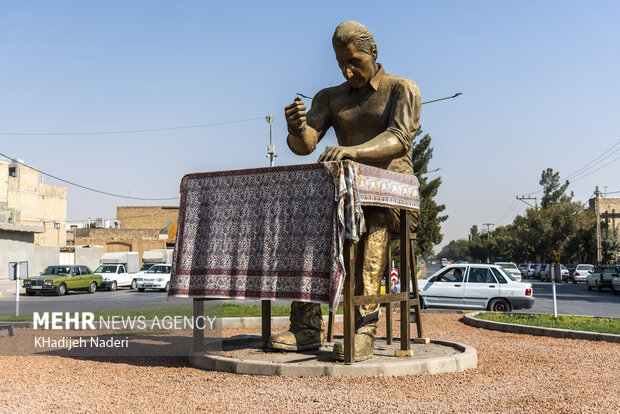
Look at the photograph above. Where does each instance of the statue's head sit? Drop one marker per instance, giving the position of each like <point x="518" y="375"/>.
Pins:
<point x="356" y="52"/>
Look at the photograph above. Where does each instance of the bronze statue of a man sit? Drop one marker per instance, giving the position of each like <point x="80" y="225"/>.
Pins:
<point x="375" y="116"/>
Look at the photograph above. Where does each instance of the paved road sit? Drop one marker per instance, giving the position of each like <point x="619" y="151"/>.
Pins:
<point x="574" y="299"/>
<point x="100" y="300"/>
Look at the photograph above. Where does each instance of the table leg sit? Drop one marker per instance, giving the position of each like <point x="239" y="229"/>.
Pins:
<point x="388" y="323"/>
<point x="405" y="252"/>
<point x="266" y="320"/>
<point x="330" y="327"/>
<point x="349" y="317"/>
<point x="418" y="308"/>
<point x="199" y="332"/>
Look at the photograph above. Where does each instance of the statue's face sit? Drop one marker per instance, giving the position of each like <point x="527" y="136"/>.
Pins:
<point x="358" y="68"/>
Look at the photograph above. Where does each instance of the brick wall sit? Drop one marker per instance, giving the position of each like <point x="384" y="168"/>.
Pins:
<point x="151" y="217"/>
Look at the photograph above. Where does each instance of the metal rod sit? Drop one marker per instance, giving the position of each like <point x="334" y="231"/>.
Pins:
<point x="423" y="103"/>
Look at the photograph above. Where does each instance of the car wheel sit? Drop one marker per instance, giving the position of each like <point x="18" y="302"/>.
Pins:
<point x="589" y="287"/>
<point x="598" y="287"/>
<point x="112" y="286"/>
<point x="613" y="289"/>
<point x="92" y="288"/>
<point x="61" y="289"/>
<point x="499" y="305"/>
<point x="140" y="289"/>
<point x="165" y="289"/>
<point x="422" y="304"/>
<point x="133" y="284"/>
<point x="30" y="292"/>
<point x="574" y="281"/>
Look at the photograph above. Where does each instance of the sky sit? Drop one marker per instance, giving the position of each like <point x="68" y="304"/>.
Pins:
<point x="539" y="81"/>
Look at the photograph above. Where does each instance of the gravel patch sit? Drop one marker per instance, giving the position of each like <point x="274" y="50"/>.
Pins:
<point x="516" y="374"/>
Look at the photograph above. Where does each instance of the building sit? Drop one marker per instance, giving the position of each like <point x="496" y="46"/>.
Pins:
<point x="32" y="218"/>
<point x="147" y="217"/>
<point x="140" y="229"/>
<point x="27" y="201"/>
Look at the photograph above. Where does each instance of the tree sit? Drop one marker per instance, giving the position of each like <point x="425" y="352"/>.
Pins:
<point x="429" y="227"/>
<point x="553" y="192"/>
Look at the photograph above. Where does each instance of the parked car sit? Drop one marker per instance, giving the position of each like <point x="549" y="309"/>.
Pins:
<point x="541" y="267"/>
<point x="116" y="275"/>
<point x="523" y="269"/>
<point x="580" y="272"/>
<point x="475" y="286"/>
<point x="511" y="268"/>
<point x="157" y="277"/>
<point x="571" y="269"/>
<point x="615" y="284"/>
<point x="60" y="279"/>
<point x="531" y="268"/>
<point x="546" y="274"/>
<point x="601" y="276"/>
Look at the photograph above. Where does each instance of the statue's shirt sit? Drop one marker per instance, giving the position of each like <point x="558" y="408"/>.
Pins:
<point x="388" y="105"/>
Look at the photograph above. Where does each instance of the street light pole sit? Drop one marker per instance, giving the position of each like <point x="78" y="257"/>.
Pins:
<point x="271" y="149"/>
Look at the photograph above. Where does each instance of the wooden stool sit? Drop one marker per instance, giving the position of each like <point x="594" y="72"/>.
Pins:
<point x="407" y="261"/>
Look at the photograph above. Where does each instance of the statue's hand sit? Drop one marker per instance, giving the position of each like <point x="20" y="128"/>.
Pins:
<point x="295" y="115"/>
<point x="338" y="153"/>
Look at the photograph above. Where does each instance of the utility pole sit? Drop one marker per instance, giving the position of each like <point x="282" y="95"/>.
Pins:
<point x="523" y="198"/>
<point x="599" y="256"/>
<point x="488" y="226"/>
<point x="271" y="149"/>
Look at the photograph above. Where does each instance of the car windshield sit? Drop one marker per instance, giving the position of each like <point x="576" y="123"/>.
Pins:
<point x="56" y="270"/>
<point x="508" y="265"/>
<point x="585" y="267"/>
<point x="146" y="266"/>
<point x="159" y="269"/>
<point x="508" y="275"/>
<point x="106" y="269"/>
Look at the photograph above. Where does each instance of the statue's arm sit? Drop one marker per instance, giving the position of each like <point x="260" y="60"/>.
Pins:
<point x="396" y="140"/>
<point x="305" y="130"/>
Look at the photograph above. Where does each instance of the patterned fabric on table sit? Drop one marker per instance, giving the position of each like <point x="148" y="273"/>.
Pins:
<point x="278" y="232"/>
<point x="267" y="233"/>
<point x="383" y="188"/>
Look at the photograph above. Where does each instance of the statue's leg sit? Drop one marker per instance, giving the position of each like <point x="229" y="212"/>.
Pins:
<point x="371" y="259"/>
<point x="306" y="331"/>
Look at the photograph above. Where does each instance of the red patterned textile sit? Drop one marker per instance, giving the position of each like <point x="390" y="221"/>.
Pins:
<point x="267" y="233"/>
<point x="276" y="232"/>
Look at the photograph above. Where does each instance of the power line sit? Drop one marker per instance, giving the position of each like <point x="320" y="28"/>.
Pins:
<point x="88" y="188"/>
<point x="600" y="168"/>
<point x="131" y="131"/>
<point x="586" y="166"/>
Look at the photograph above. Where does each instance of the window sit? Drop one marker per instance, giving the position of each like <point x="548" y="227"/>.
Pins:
<point x="500" y="277"/>
<point x="480" y="275"/>
<point x="452" y="274"/>
<point x="84" y="270"/>
<point x="76" y="271"/>
<point x="12" y="171"/>
<point x="121" y="269"/>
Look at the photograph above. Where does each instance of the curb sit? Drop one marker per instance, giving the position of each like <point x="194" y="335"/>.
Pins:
<point x="466" y="359"/>
<point x="471" y="320"/>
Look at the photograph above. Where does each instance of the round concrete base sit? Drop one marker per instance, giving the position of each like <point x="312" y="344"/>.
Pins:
<point x="244" y="355"/>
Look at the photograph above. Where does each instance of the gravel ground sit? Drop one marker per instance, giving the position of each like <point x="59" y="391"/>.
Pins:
<point x="516" y="373"/>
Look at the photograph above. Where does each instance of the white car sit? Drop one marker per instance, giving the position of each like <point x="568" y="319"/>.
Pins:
<point x="511" y="268"/>
<point x="602" y="276"/>
<point x="581" y="272"/>
<point x="475" y="286"/>
<point x="115" y="275"/>
<point x="157" y="277"/>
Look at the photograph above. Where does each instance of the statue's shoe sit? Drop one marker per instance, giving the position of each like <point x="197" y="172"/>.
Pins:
<point x="298" y="340"/>
<point x="364" y="348"/>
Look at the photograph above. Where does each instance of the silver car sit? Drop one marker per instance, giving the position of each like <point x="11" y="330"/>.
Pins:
<point x="475" y="286"/>
<point x="581" y="272"/>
